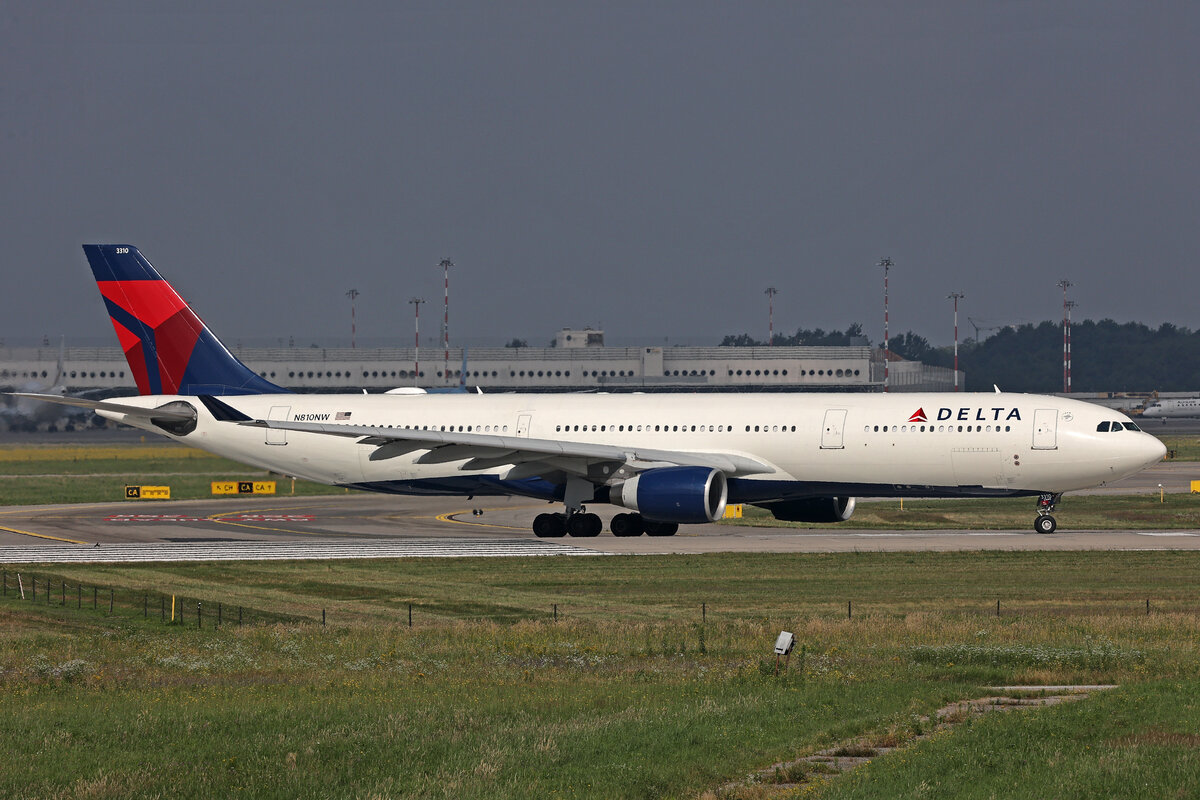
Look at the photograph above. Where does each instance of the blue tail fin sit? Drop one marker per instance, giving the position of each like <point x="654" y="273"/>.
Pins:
<point x="169" y="350"/>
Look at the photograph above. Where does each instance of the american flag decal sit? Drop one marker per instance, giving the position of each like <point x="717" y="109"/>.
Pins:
<point x="342" y="415"/>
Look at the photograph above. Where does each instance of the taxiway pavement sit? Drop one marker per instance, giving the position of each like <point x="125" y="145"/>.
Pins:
<point x="358" y="525"/>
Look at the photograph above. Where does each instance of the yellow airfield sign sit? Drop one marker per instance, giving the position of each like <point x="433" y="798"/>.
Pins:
<point x="147" y="492"/>
<point x="243" y="487"/>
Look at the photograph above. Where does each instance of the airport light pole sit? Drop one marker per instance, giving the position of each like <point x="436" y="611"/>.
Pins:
<point x="770" y="293"/>
<point x="353" y="294"/>
<point x="446" y="265"/>
<point x="955" y="296"/>
<point x="1066" y="284"/>
<point x="886" y="263"/>
<point x="416" y="304"/>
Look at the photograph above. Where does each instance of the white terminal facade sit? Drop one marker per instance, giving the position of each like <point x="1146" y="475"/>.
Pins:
<point x="579" y="361"/>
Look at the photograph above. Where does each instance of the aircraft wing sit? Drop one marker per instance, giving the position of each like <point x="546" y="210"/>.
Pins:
<point x="484" y="451"/>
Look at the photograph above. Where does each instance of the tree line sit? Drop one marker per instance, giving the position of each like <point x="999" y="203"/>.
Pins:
<point x="1107" y="356"/>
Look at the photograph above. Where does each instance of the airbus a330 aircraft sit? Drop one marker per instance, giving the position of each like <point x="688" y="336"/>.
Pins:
<point x="667" y="459"/>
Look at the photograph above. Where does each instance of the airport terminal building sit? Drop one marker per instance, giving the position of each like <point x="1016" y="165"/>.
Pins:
<point x="579" y="361"/>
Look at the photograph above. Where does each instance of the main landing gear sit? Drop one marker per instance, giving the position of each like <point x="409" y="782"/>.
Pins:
<point x="585" y="524"/>
<point x="1045" y="523"/>
<point x="578" y="521"/>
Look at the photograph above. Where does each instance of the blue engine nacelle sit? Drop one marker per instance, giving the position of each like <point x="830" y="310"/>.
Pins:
<point x="813" y="509"/>
<point x="675" y="494"/>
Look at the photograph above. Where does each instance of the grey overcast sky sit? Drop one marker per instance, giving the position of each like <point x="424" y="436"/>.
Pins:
<point x="646" y="167"/>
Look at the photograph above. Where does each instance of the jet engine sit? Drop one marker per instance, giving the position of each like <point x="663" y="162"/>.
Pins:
<point x="813" y="509"/>
<point x="674" y="494"/>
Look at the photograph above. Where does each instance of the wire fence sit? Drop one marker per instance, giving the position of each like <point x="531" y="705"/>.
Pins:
<point x="168" y="608"/>
<point x="123" y="602"/>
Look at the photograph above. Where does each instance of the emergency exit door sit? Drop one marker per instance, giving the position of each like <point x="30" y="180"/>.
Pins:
<point x="833" y="428"/>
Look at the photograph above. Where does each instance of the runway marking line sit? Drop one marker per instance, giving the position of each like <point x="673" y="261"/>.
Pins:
<point x="41" y="535"/>
<point x="217" y="518"/>
<point x="449" y="516"/>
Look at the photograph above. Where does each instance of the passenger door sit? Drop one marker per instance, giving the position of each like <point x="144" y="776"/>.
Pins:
<point x="1045" y="429"/>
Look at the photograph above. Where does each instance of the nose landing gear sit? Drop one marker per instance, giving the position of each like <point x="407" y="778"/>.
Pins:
<point x="1045" y="522"/>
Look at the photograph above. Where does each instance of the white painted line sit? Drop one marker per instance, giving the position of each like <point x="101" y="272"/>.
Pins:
<point x="278" y="551"/>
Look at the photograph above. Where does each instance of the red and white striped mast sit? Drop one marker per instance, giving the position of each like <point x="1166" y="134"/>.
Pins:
<point x="446" y="265"/>
<point x="1070" y="305"/>
<point x="955" y="296"/>
<point x="416" y="303"/>
<point x="1066" y="284"/>
<point x="886" y="263"/>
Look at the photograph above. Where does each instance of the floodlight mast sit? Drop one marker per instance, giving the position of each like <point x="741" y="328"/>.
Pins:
<point x="353" y="294"/>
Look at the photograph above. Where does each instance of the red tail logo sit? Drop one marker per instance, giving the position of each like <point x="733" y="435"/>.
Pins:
<point x="918" y="416"/>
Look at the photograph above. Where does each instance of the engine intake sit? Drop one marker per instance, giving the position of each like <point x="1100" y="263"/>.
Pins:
<point x="813" y="509"/>
<point x="675" y="494"/>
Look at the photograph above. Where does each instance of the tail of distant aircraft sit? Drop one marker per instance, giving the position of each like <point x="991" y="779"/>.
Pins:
<point x="169" y="349"/>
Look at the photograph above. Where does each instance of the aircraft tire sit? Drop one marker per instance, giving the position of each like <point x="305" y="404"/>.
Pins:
<point x="662" y="528"/>
<point x="549" y="526"/>
<point x="584" y="525"/>
<point x="1045" y="524"/>
<point x="627" y="525"/>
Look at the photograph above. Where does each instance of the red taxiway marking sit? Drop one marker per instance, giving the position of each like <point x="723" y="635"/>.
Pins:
<point x="223" y="518"/>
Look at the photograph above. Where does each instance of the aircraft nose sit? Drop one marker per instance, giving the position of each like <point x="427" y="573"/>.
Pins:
<point x="1150" y="450"/>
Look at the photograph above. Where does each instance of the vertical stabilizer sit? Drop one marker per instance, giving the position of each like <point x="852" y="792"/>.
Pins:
<point x="169" y="349"/>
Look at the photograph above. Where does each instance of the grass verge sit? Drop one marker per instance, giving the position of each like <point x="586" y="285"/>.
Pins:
<point x="630" y="694"/>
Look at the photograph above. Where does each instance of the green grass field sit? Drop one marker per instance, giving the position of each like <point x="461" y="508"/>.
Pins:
<point x="629" y="694"/>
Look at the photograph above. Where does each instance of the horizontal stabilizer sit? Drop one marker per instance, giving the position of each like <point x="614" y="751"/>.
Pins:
<point x="175" y="413"/>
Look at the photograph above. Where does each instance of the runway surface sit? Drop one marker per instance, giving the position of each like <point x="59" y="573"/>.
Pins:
<point x="359" y="525"/>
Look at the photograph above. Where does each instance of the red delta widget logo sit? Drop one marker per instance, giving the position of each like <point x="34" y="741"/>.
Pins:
<point x="978" y="414"/>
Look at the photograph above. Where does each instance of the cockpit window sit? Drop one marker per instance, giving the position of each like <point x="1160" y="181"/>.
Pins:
<point x="1103" y="427"/>
<point x="1131" y="426"/>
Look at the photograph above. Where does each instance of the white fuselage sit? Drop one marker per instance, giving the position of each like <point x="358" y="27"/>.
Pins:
<point x="816" y="444"/>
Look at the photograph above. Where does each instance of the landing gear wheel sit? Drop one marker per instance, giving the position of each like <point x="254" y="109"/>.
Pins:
<point x="1045" y="524"/>
<point x="661" y="528"/>
<point x="585" y="525"/>
<point x="627" y="525"/>
<point x="549" y="526"/>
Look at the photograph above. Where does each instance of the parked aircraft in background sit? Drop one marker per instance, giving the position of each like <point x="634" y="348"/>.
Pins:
<point x="1165" y="409"/>
<point x="28" y="414"/>
<point x="666" y="459"/>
